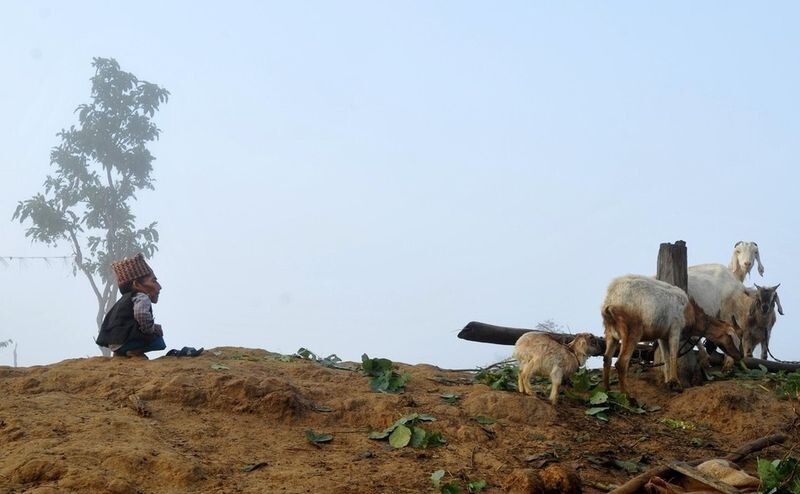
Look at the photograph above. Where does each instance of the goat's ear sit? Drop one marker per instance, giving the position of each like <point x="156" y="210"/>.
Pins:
<point x="778" y="302"/>
<point x="758" y="260"/>
<point x="756" y="285"/>
<point x="737" y="244"/>
<point x="735" y="337"/>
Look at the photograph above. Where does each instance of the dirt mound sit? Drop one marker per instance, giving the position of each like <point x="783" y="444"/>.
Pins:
<point x="234" y="420"/>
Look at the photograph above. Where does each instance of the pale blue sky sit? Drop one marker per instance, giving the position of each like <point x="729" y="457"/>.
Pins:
<point x="369" y="177"/>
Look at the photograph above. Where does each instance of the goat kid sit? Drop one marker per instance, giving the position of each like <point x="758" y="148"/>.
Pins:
<point x="539" y="354"/>
<point x="761" y="319"/>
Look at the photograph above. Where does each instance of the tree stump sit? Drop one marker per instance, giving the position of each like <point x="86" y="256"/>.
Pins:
<point x="672" y="266"/>
<point x="673" y="269"/>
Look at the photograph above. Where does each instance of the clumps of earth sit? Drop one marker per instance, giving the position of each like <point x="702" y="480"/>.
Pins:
<point x="246" y="420"/>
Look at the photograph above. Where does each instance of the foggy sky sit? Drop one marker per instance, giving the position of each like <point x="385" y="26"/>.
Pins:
<point x="362" y="177"/>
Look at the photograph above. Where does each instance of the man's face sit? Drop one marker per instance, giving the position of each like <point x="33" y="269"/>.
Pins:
<point x="150" y="286"/>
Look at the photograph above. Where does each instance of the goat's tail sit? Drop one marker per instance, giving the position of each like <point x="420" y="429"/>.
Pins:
<point x="609" y="318"/>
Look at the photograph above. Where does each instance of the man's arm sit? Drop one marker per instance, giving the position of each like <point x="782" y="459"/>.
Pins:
<point x="143" y="313"/>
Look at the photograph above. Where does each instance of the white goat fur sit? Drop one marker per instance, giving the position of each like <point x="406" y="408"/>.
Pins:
<point x="720" y="294"/>
<point x="744" y="253"/>
<point x="539" y="354"/>
<point x="639" y="308"/>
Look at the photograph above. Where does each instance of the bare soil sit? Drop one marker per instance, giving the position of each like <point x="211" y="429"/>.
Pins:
<point x="173" y="425"/>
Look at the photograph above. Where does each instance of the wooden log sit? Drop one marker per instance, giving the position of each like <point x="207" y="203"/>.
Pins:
<point x="501" y="335"/>
<point x="755" y="363"/>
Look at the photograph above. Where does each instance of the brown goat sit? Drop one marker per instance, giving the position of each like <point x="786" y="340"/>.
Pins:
<point x="538" y="353"/>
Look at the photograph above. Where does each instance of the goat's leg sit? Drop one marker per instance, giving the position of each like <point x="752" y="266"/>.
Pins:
<point x="624" y="358"/>
<point x="555" y="382"/>
<point x="612" y="345"/>
<point x="765" y="345"/>
<point x="747" y="345"/>
<point x="523" y="380"/>
<point x="520" y="373"/>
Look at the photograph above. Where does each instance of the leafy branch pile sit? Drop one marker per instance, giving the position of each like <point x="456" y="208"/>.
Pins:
<point x="502" y="377"/>
<point x="601" y="403"/>
<point x="384" y="378"/>
<point x="406" y="431"/>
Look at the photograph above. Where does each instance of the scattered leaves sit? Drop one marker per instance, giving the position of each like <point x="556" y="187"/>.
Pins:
<point x="318" y="437"/>
<point x="484" y="420"/>
<point x="407" y="432"/>
<point x="677" y="424"/>
<point x="453" y="487"/>
<point x="450" y="398"/>
<point x="254" y="466"/>
<point x="332" y="361"/>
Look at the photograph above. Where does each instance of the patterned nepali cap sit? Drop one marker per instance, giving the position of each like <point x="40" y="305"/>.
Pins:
<point x="130" y="268"/>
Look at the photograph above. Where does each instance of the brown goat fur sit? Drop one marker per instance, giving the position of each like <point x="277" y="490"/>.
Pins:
<point x="539" y="354"/>
<point x="623" y="331"/>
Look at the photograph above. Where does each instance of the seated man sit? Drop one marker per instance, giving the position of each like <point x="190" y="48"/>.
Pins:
<point x="128" y="328"/>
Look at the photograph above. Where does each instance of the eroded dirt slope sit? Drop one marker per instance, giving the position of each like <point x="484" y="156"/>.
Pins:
<point x="72" y="427"/>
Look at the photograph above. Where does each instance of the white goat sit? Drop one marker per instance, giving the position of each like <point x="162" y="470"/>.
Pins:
<point x="717" y="291"/>
<point x="640" y="308"/>
<point x="744" y="253"/>
<point x="539" y="354"/>
<point x="761" y="320"/>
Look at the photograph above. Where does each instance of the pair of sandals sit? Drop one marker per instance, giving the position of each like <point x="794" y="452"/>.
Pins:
<point x="186" y="351"/>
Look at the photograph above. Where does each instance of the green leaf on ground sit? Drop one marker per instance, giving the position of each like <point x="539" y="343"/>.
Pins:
<point x="318" y="437"/>
<point x="400" y="437"/>
<point x="483" y="419"/>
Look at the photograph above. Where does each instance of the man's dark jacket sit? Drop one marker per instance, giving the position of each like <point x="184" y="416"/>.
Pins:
<point x="119" y="326"/>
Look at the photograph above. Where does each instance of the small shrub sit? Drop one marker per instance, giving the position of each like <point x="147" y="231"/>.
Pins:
<point x="384" y="378"/>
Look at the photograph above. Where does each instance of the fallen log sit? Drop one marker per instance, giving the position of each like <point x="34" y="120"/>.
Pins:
<point x="501" y="335"/>
<point x="755" y="363"/>
<point x="637" y="483"/>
